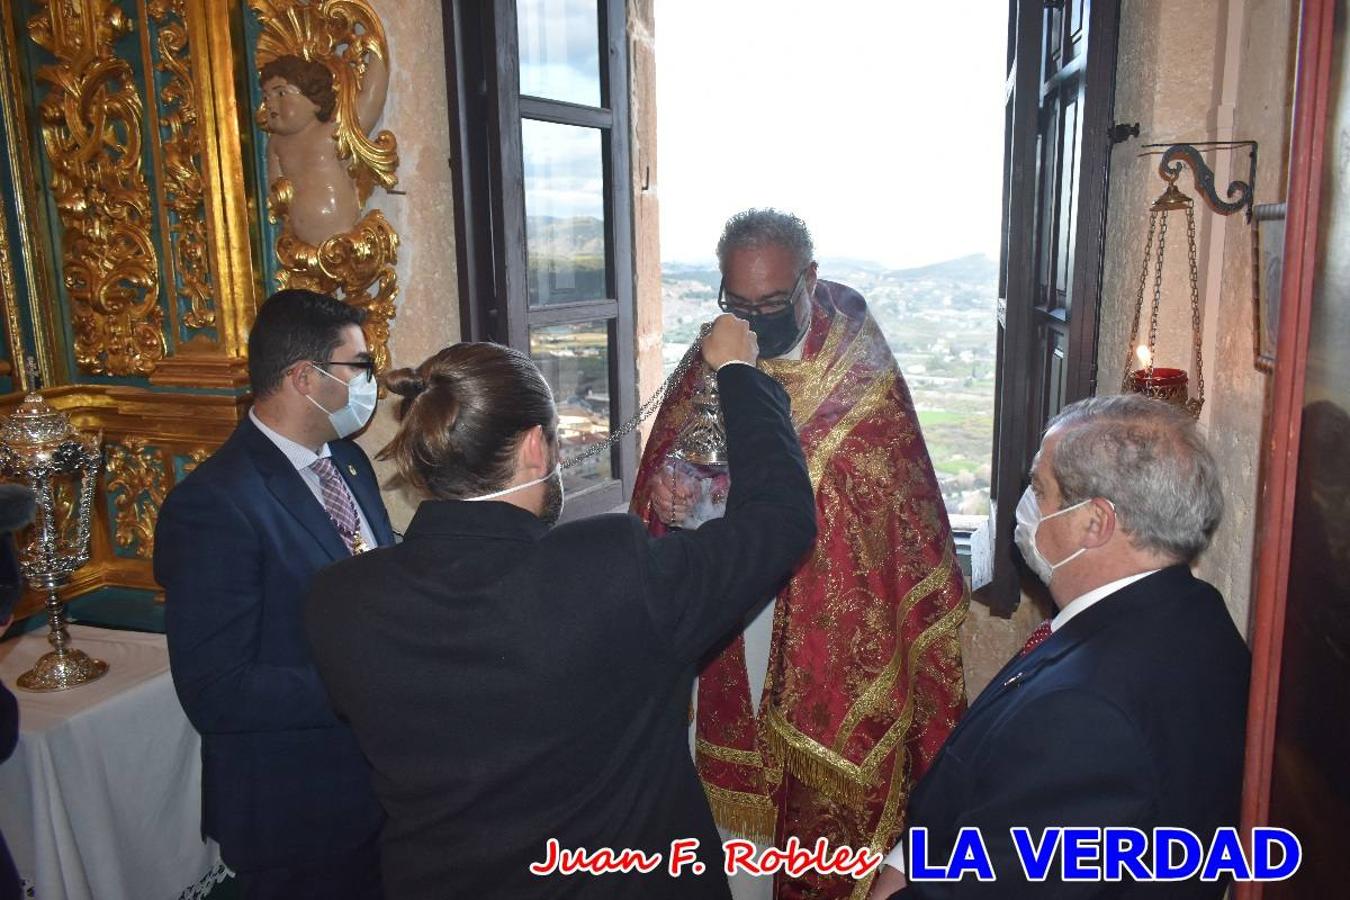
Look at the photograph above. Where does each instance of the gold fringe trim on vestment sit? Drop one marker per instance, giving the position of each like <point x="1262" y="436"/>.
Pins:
<point x="748" y="815"/>
<point x="813" y="764"/>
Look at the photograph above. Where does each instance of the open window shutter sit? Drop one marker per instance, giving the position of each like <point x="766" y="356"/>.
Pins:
<point x="1060" y="92"/>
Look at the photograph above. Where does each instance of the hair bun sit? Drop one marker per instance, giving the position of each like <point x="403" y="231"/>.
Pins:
<point x="405" y="382"/>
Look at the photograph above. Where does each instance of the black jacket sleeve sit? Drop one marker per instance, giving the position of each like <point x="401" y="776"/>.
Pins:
<point x="700" y="584"/>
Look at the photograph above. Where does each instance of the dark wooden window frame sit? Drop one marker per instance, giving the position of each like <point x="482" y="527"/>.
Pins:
<point x="1027" y="396"/>
<point x="482" y="76"/>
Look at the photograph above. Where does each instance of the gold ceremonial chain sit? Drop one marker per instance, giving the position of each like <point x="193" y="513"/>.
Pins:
<point x="652" y="405"/>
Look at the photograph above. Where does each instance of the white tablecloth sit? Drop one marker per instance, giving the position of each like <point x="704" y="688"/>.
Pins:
<point x="102" y="798"/>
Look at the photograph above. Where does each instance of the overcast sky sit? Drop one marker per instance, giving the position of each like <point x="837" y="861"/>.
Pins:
<point x="879" y="122"/>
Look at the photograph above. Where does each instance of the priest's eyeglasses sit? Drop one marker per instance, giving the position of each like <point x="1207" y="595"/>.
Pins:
<point x="367" y="365"/>
<point x="768" y="306"/>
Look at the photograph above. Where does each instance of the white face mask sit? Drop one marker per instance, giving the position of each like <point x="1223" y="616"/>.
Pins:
<point x="360" y="406"/>
<point x="1029" y="521"/>
<point x="551" y="511"/>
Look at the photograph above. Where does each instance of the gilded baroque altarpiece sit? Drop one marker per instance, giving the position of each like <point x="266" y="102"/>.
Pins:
<point x="139" y="227"/>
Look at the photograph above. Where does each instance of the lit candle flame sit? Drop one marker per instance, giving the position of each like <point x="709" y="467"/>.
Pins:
<point x="1145" y="358"/>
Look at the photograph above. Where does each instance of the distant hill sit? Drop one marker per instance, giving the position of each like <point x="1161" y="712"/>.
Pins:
<point x="973" y="268"/>
<point x="680" y="267"/>
<point x="566" y="258"/>
<point x="939" y="321"/>
<point x="565" y="236"/>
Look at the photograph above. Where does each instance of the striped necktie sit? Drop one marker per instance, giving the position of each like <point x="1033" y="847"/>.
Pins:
<point x="339" y="502"/>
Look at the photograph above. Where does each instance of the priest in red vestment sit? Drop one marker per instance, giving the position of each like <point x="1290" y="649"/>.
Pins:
<point x="817" y="719"/>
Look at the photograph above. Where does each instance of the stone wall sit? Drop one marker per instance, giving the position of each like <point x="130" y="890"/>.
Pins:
<point x="1202" y="71"/>
<point x="1262" y="86"/>
<point x="646" y="196"/>
<point x="418" y="113"/>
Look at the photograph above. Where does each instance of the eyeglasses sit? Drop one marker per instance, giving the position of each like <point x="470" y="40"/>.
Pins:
<point x="367" y="365"/>
<point x="739" y="306"/>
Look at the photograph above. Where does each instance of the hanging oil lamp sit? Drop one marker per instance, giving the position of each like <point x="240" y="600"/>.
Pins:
<point x="1166" y="383"/>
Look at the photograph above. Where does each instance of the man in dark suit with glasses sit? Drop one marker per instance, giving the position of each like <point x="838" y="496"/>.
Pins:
<point x="285" y="789"/>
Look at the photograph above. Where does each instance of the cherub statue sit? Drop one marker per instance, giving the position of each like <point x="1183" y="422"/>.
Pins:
<point x="324" y="73"/>
<point x="312" y="186"/>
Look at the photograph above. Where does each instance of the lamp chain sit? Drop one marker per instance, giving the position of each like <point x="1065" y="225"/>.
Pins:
<point x="1195" y="311"/>
<point x="1139" y="302"/>
<point x="1143" y="381"/>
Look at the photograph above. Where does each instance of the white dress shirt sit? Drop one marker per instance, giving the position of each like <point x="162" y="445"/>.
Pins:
<point x="1078" y="604"/>
<point x="302" y="458"/>
<point x="896" y="858"/>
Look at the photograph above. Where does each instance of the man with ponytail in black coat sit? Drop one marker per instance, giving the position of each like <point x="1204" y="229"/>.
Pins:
<point x="522" y="690"/>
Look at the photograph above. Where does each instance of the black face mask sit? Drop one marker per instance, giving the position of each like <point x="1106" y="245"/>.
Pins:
<point x="777" y="332"/>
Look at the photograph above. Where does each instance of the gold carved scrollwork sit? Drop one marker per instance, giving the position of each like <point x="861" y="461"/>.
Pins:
<point x="138" y="481"/>
<point x="181" y="151"/>
<point x="91" y="119"/>
<point x="9" y="297"/>
<point x="358" y="264"/>
<point x="195" y="459"/>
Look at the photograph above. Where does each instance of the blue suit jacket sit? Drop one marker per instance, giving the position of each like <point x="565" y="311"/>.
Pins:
<point x="1132" y="714"/>
<point x="237" y="544"/>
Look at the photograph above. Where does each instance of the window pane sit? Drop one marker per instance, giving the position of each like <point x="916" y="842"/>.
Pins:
<point x="575" y="361"/>
<point x="564" y="212"/>
<point x="929" y="282"/>
<point x="559" y="50"/>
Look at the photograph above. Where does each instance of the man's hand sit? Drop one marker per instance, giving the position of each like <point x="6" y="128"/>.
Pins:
<point x="889" y="881"/>
<point x="730" y="339"/>
<point x="671" y="501"/>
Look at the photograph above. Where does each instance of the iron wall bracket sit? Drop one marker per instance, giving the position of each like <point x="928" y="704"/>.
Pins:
<point x="1177" y="156"/>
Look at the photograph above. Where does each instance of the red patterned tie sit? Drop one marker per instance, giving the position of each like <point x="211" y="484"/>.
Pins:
<point x="338" y="500"/>
<point x="1037" y="638"/>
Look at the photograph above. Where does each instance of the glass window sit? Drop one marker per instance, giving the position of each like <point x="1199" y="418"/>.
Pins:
<point x="931" y="284"/>
<point x="575" y="360"/>
<point x="551" y="213"/>
<point x="559" y="50"/>
<point x="564" y="212"/>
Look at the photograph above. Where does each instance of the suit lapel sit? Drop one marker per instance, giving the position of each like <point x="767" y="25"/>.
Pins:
<point x="292" y="493"/>
<point x="1111" y="609"/>
<point x="365" y="490"/>
<point x="1131" y="602"/>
